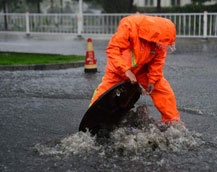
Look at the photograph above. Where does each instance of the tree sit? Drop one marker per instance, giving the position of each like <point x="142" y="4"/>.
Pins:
<point x="9" y="5"/>
<point x="200" y="2"/>
<point x="61" y="6"/>
<point x="37" y="3"/>
<point x="158" y="6"/>
<point x="130" y="7"/>
<point x="115" y="6"/>
<point x="4" y="5"/>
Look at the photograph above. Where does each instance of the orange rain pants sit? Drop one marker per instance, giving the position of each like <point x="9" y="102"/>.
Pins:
<point x="162" y="96"/>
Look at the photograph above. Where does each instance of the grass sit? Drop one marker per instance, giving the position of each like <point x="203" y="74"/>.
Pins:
<point x="9" y="58"/>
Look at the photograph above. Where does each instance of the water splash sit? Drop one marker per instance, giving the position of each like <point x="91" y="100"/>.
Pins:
<point x="78" y="143"/>
<point x="137" y="133"/>
<point x="190" y="110"/>
<point x="176" y="138"/>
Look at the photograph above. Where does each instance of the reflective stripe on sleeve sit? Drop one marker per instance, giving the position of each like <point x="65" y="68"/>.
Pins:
<point x="133" y="59"/>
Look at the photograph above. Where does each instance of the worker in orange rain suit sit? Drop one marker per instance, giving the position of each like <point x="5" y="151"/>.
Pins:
<point x="137" y="51"/>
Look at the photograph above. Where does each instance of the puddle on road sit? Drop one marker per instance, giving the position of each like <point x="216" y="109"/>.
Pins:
<point x="138" y="133"/>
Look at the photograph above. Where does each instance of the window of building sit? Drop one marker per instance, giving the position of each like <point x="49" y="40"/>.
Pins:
<point x="175" y="2"/>
<point x="149" y="2"/>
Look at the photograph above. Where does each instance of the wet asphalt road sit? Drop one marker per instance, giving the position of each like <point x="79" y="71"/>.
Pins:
<point x="45" y="106"/>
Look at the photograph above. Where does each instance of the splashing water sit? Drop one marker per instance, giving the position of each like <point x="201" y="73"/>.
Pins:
<point x="175" y="138"/>
<point x="136" y="134"/>
<point x="78" y="143"/>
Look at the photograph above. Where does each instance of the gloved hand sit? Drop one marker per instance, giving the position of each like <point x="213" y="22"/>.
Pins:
<point x="131" y="76"/>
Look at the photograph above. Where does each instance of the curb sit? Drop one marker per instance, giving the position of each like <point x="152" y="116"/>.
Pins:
<point x="42" y="66"/>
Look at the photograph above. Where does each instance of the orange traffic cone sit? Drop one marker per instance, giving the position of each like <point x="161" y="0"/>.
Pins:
<point x="90" y="61"/>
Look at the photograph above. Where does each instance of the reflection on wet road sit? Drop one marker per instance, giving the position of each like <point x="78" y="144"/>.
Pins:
<point x="44" y="107"/>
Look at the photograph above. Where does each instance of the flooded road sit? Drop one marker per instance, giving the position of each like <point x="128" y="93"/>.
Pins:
<point x="46" y="107"/>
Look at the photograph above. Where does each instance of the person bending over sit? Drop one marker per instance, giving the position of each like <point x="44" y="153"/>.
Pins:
<point x="137" y="52"/>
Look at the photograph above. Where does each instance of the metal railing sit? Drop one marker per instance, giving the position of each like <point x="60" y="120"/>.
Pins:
<point x="193" y="25"/>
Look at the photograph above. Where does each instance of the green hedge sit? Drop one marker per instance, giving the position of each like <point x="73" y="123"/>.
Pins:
<point x="190" y="8"/>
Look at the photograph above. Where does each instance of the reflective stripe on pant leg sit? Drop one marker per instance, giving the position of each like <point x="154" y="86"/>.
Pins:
<point x="108" y="81"/>
<point x="164" y="100"/>
<point x="94" y="96"/>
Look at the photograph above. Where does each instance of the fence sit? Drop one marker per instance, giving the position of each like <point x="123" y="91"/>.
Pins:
<point x="202" y="25"/>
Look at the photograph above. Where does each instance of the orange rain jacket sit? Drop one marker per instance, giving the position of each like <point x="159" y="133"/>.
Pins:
<point x="126" y="42"/>
<point x="134" y="47"/>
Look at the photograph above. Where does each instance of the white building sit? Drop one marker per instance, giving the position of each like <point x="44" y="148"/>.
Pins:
<point x="167" y="3"/>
